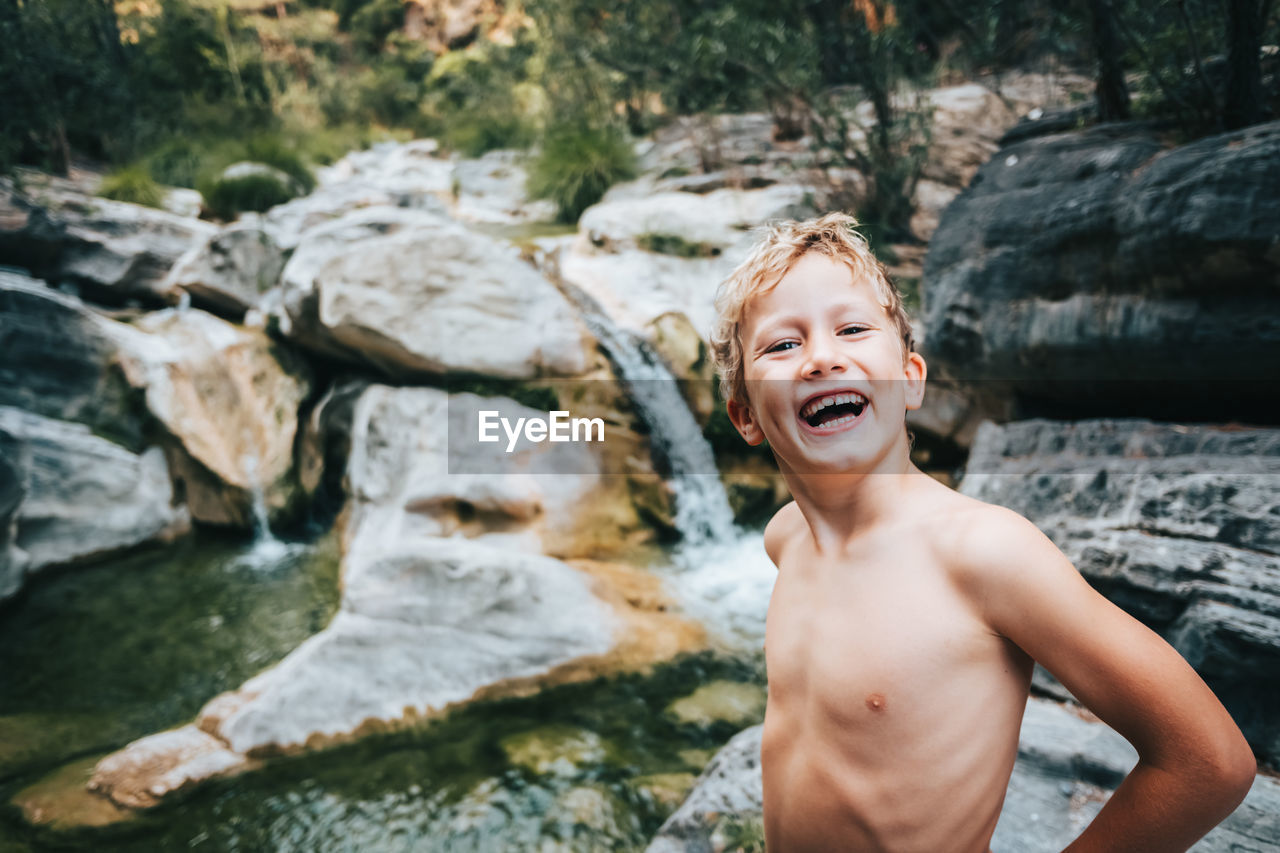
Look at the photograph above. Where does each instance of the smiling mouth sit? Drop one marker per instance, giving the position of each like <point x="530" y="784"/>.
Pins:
<point x="833" y="410"/>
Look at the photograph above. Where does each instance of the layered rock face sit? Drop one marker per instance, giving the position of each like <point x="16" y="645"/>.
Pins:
<point x="1077" y="264"/>
<point x="1177" y="524"/>
<point x="112" y="251"/>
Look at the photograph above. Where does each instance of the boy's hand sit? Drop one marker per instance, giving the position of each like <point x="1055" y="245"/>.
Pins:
<point x="1194" y="765"/>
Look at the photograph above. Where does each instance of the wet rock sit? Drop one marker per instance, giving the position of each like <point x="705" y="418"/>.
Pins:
<point x="161" y="764"/>
<point x="1077" y="258"/>
<point x="110" y="251"/>
<point x="412" y="295"/>
<point x="720" y="702"/>
<point x="229" y="397"/>
<point x="554" y="749"/>
<point x="59" y="361"/>
<point x="82" y="497"/>
<point x="730" y="788"/>
<point x="229" y="273"/>
<point x="1176" y="523"/>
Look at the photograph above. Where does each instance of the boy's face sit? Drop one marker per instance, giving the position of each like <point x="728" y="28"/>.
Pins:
<point x="824" y="370"/>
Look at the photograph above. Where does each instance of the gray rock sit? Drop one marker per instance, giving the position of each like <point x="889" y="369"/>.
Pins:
<point x="229" y="273"/>
<point x="1177" y="524"/>
<point x="729" y="787"/>
<point x="1076" y="258"/>
<point x="1066" y="769"/>
<point x="111" y="251"/>
<point x="413" y="294"/>
<point x="81" y="496"/>
<point x="59" y="361"/>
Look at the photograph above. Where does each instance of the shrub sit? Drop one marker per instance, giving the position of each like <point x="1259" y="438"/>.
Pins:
<point x="228" y="197"/>
<point x="133" y="184"/>
<point x="674" y="244"/>
<point x="577" y="163"/>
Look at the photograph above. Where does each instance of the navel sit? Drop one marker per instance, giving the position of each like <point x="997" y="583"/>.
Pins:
<point x="876" y="702"/>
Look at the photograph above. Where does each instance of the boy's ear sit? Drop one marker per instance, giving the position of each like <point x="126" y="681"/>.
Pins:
<point x="916" y="371"/>
<point x="745" y="422"/>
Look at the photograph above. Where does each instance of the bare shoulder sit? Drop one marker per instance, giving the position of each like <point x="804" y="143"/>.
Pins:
<point x="786" y="524"/>
<point x="988" y="548"/>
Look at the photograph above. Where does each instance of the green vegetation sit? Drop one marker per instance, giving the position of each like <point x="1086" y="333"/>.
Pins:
<point x="176" y="87"/>
<point x="674" y="244"/>
<point x="577" y="163"/>
<point x="133" y="184"/>
<point x="226" y="197"/>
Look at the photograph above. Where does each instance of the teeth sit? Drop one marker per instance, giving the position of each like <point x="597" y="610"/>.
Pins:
<point x="836" y="399"/>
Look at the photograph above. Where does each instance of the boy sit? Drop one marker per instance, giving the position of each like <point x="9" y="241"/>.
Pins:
<point x="906" y="617"/>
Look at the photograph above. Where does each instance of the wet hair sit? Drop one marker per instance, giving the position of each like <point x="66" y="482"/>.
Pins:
<point x="780" y="245"/>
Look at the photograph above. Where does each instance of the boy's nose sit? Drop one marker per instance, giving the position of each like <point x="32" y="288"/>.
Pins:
<point x="823" y="358"/>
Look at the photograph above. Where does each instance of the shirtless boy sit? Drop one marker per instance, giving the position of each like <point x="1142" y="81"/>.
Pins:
<point x="906" y="617"/>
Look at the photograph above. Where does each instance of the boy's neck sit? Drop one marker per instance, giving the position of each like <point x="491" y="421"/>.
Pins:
<point x="841" y="507"/>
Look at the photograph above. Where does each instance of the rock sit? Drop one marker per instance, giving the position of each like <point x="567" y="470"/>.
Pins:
<point x="161" y="764"/>
<point x="706" y="224"/>
<point x="968" y="121"/>
<point x="111" y="251"/>
<point x="635" y="287"/>
<point x="1077" y="258"/>
<point x="492" y="189"/>
<point x="729" y="702"/>
<point x="224" y="393"/>
<point x="248" y="169"/>
<point x="414" y="295"/>
<point x="1065" y="771"/>
<point x="59" y="359"/>
<point x="229" y="273"/>
<point x="82" y="497"/>
<point x="729" y="789"/>
<point x="406" y="476"/>
<point x="554" y="749"/>
<point x="678" y="343"/>
<point x="1175" y="523"/>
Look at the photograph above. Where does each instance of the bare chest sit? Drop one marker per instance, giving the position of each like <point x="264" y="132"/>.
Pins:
<point x="884" y="634"/>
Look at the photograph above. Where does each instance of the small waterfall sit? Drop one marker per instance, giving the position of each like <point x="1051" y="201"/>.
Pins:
<point x="703" y="516"/>
<point x="266" y="547"/>
<point x="720" y="573"/>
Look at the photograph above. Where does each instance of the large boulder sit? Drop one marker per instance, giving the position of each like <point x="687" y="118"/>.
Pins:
<point x="229" y="273"/>
<point x="414" y="294"/>
<point x="59" y="361"/>
<point x="415" y="469"/>
<point x="1178" y="524"/>
<point x="229" y="397"/>
<point x="78" y="496"/>
<point x="1077" y="258"/>
<point x="111" y="251"/>
<point x="1066" y="769"/>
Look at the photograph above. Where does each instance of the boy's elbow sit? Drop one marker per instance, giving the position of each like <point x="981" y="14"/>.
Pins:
<point x="1234" y="770"/>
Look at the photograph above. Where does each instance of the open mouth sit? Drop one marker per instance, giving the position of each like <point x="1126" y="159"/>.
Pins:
<point x="833" y="410"/>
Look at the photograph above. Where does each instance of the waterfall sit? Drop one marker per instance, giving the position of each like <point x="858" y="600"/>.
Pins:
<point x="266" y="547"/>
<point x="720" y="573"/>
<point x="703" y="516"/>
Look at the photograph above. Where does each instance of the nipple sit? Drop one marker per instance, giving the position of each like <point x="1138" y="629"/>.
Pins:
<point x="876" y="702"/>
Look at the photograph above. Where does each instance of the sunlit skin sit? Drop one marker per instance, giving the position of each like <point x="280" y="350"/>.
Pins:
<point x="906" y="619"/>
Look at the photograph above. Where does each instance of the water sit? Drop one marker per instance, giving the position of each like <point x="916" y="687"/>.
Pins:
<point x="720" y="572"/>
<point x="266" y="548"/>
<point x="703" y="515"/>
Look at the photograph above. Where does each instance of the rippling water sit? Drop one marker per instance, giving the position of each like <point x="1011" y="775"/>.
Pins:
<point x="96" y="657"/>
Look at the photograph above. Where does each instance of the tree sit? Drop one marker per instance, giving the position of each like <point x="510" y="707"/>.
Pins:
<point x="1112" y="93"/>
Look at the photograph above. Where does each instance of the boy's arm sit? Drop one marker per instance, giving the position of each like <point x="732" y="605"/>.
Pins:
<point x="1194" y="766"/>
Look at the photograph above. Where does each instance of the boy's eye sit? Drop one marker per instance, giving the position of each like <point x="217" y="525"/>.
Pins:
<point x="781" y="345"/>
<point x="853" y="330"/>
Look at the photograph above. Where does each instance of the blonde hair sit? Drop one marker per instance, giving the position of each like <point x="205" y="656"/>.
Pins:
<point x="781" y="244"/>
